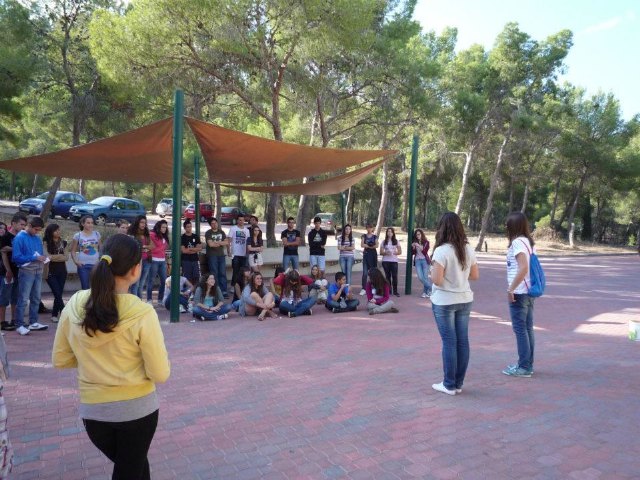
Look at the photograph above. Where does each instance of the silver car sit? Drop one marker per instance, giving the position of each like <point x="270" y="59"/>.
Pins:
<point x="165" y="207"/>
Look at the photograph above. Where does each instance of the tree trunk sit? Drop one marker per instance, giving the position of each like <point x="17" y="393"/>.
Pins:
<point x="466" y="172"/>
<point x="46" y="209"/>
<point x="511" y="195"/>
<point x="525" y="197"/>
<point x="82" y="187"/>
<point x="574" y="208"/>
<point x="552" y="216"/>
<point x="113" y="189"/>
<point x="12" y="187"/>
<point x="34" y="185"/>
<point x="303" y="216"/>
<point x="492" y="190"/>
<point x="154" y="193"/>
<point x="217" y="199"/>
<point x="352" y="196"/>
<point x="383" y="198"/>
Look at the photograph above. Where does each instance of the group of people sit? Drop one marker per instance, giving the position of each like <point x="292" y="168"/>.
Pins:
<point x="114" y="339"/>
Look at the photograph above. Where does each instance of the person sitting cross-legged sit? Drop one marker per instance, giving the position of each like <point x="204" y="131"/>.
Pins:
<point x="257" y="299"/>
<point x="185" y="292"/>
<point x="292" y="303"/>
<point x="208" y="301"/>
<point x="378" y="292"/>
<point x="340" y="299"/>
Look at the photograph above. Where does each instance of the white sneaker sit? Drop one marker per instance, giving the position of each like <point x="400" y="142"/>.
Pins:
<point x="441" y="388"/>
<point x="190" y="308"/>
<point x="38" y="326"/>
<point x="222" y="317"/>
<point x="424" y="295"/>
<point x="182" y="309"/>
<point x="22" y="330"/>
<point x="363" y="292"/>
<point x="458" y="390"/>
<point x="54" y="319"/>
<point x="150" y="302"/>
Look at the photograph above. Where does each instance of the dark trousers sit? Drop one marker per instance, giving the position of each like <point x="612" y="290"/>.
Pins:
<point x="126" y="444"/>
<point x="369" y="261"/>
<point x="391" y="273"/>
<point x="236" y="264"/>
<point x="56" y="283"/>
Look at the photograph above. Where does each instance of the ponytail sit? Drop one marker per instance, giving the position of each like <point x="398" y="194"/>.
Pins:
<point x="121" y="254"/>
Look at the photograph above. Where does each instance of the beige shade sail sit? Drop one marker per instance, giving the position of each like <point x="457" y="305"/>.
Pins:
<point x="143" y="155"/>
<point x="234" y="157"/>
<point x="327" y="186"/>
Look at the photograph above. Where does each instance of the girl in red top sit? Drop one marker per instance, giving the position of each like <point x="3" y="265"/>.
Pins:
<point x="378" y="293"/>
<point x="160" y="244"/>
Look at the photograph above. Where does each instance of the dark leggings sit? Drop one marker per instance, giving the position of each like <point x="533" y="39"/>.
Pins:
<point x="369" y="261"/>
<point x="391" y="273"/>
<point x="56" y="281"/>
<point x="126" y="444"/>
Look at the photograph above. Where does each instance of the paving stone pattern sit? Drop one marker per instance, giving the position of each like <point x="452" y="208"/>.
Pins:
<point x="349" y="396"/>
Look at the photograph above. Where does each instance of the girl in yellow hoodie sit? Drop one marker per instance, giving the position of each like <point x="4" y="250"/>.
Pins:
<point x="116" y="343"/>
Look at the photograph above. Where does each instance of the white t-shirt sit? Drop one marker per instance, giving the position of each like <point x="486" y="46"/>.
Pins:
<point x="238" y="238"/>
<point x="518" y="245"/>
<point x="88" y="253"/>
<point x="167" y="287"/>
<point x="390" y="252"/>
<point x="455" y="286"/>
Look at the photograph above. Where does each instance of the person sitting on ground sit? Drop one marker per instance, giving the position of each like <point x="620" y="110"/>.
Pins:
<point x="208" y="301"/>
<point x="292" y="303"/>
<point x="256" y="299"/>
<point x="340" y="299"/>
<point x="318" y="289"/>
<point x="277" y="289"/>
<point x="186" y="287"/>
<point x="378" y="292"/>
<point x="242" y="281"/>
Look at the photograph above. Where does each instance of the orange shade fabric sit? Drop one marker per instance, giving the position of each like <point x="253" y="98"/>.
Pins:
<point x="143" y="155"/>
<point x="327" y="186"/>
<point x="234" y="157"/>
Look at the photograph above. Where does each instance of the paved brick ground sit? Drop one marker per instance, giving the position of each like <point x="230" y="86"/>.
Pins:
<point x="349" y="396"/>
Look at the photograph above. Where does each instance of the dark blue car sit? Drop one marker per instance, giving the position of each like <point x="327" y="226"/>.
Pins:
<point x="108" y="210"/>
<point x="62" y="202"/>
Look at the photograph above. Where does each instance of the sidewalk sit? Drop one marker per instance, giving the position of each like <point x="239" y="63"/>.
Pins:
<point x="349" y="396"/>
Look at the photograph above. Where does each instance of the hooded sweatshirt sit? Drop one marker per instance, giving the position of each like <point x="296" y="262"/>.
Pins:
<point x="116" y="366"/>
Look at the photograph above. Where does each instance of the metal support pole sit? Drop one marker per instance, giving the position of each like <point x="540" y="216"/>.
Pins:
<point x="413" y="182"/>
<point x="178" y="139"/>
<point x="196" y="191"/>
<point x="343" y="206"/>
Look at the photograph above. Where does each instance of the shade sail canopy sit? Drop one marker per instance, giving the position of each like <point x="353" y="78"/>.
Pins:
<point x="234" y="157"/>
<point x="327" y="186"/>
<point x="143" y="155"/>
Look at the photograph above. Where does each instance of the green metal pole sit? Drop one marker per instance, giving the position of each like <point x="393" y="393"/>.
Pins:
<point x="196" y="191"/>
<point x="178" y="138"/>
<point x="343" y="206"/>
<point x="413" y="182"/>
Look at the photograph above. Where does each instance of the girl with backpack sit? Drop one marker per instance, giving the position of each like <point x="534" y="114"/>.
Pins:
<point x="521" y="246"/>
<point x="421" y="260"/>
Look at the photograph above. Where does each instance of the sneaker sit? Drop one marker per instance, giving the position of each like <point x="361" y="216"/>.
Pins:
<point x="334" y="310"/>
<point x="424" y="295"/>
<point x="291" y="315"/>
<point x="429" y="294"/>
<point x="43" y="309"/>
<point x="38" y="326"/>
<point x="190" y="308"/>
<point x="515" y="371"/>
<point x="372" y="312"/>
<point x="54" y="319"/>
<point x="458" y="390"/>
<point x="308" y="312"/>
<point x="220" y="317"/>
<point x="441" y="388"/>
<point x="8" y="326"/>
<point x="397" y="294"/>
<point x="182" y="309"/>
<point x="393" y="310"/>
<point x="363" y="292"/>
<point x="150" y="302"/>
<point x="22" y="330"/>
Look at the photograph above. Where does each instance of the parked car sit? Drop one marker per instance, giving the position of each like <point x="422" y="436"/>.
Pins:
<point x="62" y="202"/>
<point x="230" y="215"/>
<point x="206" y="212"/>
<point x="108" y="210"/>
<point x="165" y="207"/>
<point x="329" y="222"/>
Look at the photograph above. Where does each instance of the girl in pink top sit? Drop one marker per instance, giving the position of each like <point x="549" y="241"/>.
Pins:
<point x="160" y="244"/>
<point x="378" y="292"/>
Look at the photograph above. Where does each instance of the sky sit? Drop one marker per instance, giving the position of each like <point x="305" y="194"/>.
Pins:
<point x="606" y="36"/>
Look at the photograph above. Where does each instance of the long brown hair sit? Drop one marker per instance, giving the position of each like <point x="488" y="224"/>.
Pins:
<point x="101" y="309"/>
<point x="450" y="230"/>
<point x="377" y="280"/>
<point x="255" y="275"/>
<point x="293" y="277"/>
<point x="518" y="226"/>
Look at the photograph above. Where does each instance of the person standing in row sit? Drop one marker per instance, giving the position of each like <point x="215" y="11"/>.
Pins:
<point x="369" y="244"/>
<point x="140" y="232"/>
<point x="290" y="241"/>
<point x="116" y="343"/>
<point x="521" y="246"/>
<point x="85" y="249"/>
<point x="317" y="239"/>
<point x="346" y="246"/>
<point x="190" y="246"/>
<point x="57" y="276"/>
<point x="217" y="241"/>
<point x="255" y="246"/>
<point x="237" y="248"/>
<point x="9" y="271"/>
<point x="421" y="260"/>
<point x="160" y="245"/>
<point x="453" y="265"/>
<point x="390" y="249"/>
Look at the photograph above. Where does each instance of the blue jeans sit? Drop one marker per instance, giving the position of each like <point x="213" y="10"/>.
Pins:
<point x="318" y="260"/>
<point x="422" y="269"/>
<point x="218" y="268"/>
<point x="453" y="325"/>
<point x="8" y="292"/>
<point x="136" y="288"/>
<point x="226" y="308"/>
<point x="290" y="259"/>
<point x="351" y="305"/>
<point x="84" y="273"/>
<point x="522" y="322"/>
<point x="346" y="265"/>
<point x="160" y="269"/>
<point x="369" y="261"/>
<point x="236" y="305"/>
<point x="300" y="308"/>
<point x="184" y="301"/>
<point x="29" y="284"/>
<point x="56" y="283"/>
<point x="236" y="264"/>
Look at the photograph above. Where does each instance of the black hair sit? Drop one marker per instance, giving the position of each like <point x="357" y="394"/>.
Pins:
<point x="259" y="242"/>
<point x="212" y="219"/>
<point x="423" y="237"/>
<point x="52" y="246"/>
<point x="394" y="240"/>
<point x="101" y="310"/>
<point x="518" y="226"/>
<point x="350" y="233"/>
<point x="291" y="219"/>
<point x="2" y="224"/>
<point x="19" y="216"/>
<point x="185" y="223"/>
<point x="278" y="271"/>
<point x="339" y="275"/>
<point x="83" y="219"/>
<point x="202" y="283"/>
<point x="35" y="221"/>
<point x="134" y="228"/>
<point x="252" y="217"/>
<point x="240" y="278"/>
<point x="159" y="234"/>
